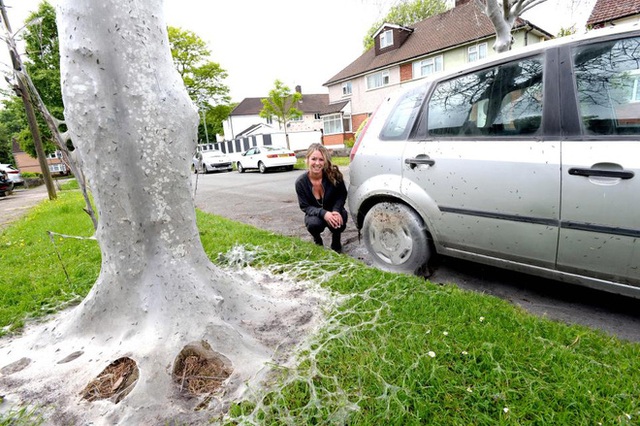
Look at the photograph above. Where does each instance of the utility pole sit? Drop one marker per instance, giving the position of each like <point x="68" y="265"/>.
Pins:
<point x="22" y="90"/>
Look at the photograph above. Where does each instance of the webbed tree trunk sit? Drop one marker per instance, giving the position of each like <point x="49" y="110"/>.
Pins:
<point x="134" y="126"/>
<point x="157" y="295"/>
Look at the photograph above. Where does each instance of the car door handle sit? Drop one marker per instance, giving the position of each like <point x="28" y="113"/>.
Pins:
<point x="620" y="174"/>
<point x="419" y="160"/>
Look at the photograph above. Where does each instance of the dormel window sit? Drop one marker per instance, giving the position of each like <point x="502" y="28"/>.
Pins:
<point x="386" y="39"/>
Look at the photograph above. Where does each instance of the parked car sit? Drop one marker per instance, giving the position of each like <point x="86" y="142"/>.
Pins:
<point x="211" y="161"/>
<point x="6" y="186"/>
<point x="13" y="174"/>
<point x="266" y="157"/>
<point x="528" y="161"/>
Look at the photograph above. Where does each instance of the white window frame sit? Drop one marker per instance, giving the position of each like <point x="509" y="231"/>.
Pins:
<point x="347" y="88"/>
<point x="386" y="39"/>
<point x="378" y="79"/>
<point x="477" y="52"/>
<point x="428" y="66"/>
<point x="57" y="168"/>
<point x="334" y="121"/>
<point x="55" y="155"/>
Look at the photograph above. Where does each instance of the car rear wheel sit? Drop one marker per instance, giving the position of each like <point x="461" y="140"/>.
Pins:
<point x="240" y="168"/>
<point x="262" y="167"/>
<point x="396" y="237"/>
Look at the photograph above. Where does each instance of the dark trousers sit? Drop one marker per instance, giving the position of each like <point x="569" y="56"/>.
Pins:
<point x="315" y="225"/>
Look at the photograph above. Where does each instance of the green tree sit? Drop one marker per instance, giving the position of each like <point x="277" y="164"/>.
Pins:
<point x="213" y="120"/>
<point x="406" y="13"/>
<point x="41" y="60"/>
<point x="202" y="78"/>
<point x="6" y="155"/>
<point x="281" y="104"/>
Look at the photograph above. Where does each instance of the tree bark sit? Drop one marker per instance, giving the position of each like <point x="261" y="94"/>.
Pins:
<point x="134" y="128"/>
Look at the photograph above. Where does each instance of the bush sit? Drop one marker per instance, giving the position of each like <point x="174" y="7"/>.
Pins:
<point x="31" y="175"/>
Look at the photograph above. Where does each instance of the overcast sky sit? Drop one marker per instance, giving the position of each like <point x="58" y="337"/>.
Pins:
<point x="298" y="42"/>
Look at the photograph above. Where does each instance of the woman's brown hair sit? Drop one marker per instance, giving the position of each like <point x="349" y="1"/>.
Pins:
<point x="333" y="173"/>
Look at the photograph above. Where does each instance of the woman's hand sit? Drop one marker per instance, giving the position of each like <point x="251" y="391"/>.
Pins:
<point x="333" y="219"/>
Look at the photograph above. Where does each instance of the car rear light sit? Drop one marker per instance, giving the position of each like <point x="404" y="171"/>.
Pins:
<point x="13" y="172"/>
<point x="292" y="155"/>
<point x="272" y="155"/>
<point x="360" y="136"/>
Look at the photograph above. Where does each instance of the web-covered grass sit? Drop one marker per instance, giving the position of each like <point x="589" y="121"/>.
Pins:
<point x="398" y="350"/>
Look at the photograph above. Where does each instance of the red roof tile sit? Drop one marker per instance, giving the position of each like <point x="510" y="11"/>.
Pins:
<point x="608" y="10"/>
<point x="462" y="24"/>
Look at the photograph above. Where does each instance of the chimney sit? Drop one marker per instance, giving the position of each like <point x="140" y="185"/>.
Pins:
<point x="299" y="89"/>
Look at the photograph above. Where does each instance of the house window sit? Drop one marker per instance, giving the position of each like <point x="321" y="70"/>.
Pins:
<point x="378" y="79"/>
<point x="296" y="118"/>
<point x="57" y="168"/>
<point x="386" y="39"/>
<point x="54" y="155"/>
<point x="346" y="88"/>
<point x="316" y="116"/>
<point x="269" y="120"/>
<point x="477" y="52"/>
<point x="332" y="124"/>
<point x="427" y="66"/>
<point x="346" y="123"/>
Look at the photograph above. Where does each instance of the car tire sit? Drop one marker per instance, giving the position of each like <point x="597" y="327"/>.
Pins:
<point x="240" y="168"/>
<point x="194" y="169"/>
<point x="395" y="236"/>
<point x="262" y="167"/>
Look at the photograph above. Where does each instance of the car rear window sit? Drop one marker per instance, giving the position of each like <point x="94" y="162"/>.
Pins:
<point x="608" y="86"/>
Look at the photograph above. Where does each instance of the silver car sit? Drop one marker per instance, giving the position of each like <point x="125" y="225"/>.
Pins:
<point x="527" y="161"/>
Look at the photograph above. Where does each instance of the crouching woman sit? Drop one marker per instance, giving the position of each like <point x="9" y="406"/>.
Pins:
<point x="322" y="195"/>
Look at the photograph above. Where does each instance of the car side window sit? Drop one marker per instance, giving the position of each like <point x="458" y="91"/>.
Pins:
<point x="608" y="86"/>
<point x="501" y="101"/>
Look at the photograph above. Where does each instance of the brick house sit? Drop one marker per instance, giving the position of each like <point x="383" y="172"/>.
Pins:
<point x="607" y="13"/>
<point x="404" y="55"/>
<point x="28" y="164"/>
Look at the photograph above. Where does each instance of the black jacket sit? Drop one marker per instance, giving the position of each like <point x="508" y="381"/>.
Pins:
<point x="334" y="198"/>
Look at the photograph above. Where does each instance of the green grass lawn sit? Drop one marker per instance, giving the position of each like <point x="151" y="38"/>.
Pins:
<point x="398" y="350"/>
<point x="338" y="161"/>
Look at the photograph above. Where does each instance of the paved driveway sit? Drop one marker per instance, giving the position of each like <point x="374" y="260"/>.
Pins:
<point x="267" y="201"/>
<point x="14" y="206"/>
